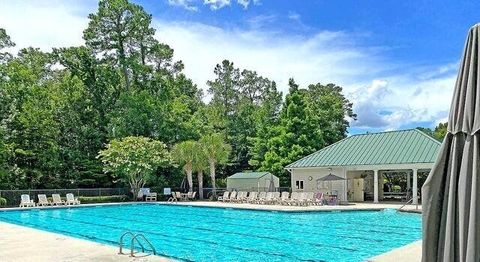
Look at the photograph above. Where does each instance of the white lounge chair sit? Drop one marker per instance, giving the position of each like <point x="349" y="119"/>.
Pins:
<point x="301" y="199"/>
<point x="284" y="197"/>
<point x="43" y="200"/>
<point x="244" y="197"/>
<point x="25" y="201"/>
<point x="225" y="196"/>
<point x="57" y="200"/>
<point x="309" y="198"/>
<point x="293" y="199"/>
<point x="261" y="197"/>
<point x="192" y="196"/>
<point x="233" y="197"/>
<point x="240" y="196"/>
<point x="276" y="197"/>
<point x="252" y="197"/>
<point x="268" y="198"/>
<point x="72" y="200"/>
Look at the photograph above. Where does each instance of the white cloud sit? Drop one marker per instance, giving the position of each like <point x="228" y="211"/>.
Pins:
<point x="45" y="24"/>
<point x="400" y="100"/>
<point x="213" y="4"/>
<point x="326" y="56"/>
<point x="261" y="21"/>
<point x="216" y="4"/>
<point x="186" y="4"/>
<point x="382" y="99"/>
<point x="244" y="3"/>
<point x="294" y="16"/>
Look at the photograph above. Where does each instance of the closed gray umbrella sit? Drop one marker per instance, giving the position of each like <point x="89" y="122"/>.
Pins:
<point x="451" y="194"/>
<point x="330" y="177"/>
<point x="271" y="186"/>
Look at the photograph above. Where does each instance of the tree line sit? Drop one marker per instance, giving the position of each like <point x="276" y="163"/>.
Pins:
<point x="59" y="110"/>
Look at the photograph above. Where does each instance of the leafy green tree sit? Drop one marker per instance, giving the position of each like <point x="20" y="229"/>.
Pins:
<point x="120" y="31"/>
<point x="225" y="89"/>
<point x="134" y="160"/>
<point x="216" y="151"/>
<point x="27" y="118"/>
<point x="185" y="153"/>
<point x="55" y="119"/>
<point x="440" y="131"/>
<point x="330" y="111"/>
<point x="5" y="42"/>
<point x="310" y="119"/>
<point x="241" y="101"/>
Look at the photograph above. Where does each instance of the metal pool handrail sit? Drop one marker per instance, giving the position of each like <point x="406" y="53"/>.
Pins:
<point x="120" y="242"/>
<point x="409" y="201"/>
<point x="132" y="247"/>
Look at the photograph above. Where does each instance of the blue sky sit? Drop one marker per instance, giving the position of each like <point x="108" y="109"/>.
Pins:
<point x="397" y="60"/>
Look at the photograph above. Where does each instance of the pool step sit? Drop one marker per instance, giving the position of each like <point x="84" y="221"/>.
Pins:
<point x="134" y="238"/>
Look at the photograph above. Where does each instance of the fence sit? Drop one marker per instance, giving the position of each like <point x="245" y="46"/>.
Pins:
<point x="13" y="196"/>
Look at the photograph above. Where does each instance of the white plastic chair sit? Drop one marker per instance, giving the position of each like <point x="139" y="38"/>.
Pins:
<point x="225" y="196"/>
<point x="43" y="200"/>
<point x="57" y="200"/>
<point x="71" y="200"/>
<point x="25" y="201"/>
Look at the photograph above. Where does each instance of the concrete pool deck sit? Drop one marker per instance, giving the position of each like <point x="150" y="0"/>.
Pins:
<point x="18" y="243"/>
<point x="408" y="253"/>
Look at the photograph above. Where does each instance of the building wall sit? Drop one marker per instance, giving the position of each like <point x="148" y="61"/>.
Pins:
<point x="241" y="183"/>
<point x="254" y="184"/>
<point x="340" y="186"/>
<point x="309" y="177"/>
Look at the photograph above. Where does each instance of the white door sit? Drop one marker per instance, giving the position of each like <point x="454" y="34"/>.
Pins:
<point x="358" y="189"/>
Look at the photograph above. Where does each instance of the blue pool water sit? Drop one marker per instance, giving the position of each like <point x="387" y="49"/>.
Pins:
<point x="216" y="234"/>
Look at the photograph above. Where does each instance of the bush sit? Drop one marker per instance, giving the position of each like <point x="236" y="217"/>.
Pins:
<point x="3" y="201"/>
<point x="103" y="199"/>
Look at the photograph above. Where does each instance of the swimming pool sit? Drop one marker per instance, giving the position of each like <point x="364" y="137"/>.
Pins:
<point x="217" y="234"/>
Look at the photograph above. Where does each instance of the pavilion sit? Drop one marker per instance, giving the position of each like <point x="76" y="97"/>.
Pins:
<point x="362" y="159"/>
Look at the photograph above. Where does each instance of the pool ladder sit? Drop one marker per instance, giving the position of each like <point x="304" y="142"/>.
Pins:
<point x="135" y="238"/>
<point x="408" y="202"/>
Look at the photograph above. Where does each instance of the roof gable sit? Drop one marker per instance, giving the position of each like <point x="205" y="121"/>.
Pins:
<point x="393" y="147"/>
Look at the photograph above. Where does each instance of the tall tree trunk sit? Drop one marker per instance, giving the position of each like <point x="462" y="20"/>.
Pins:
<point x="212" y="176"/>
<point x="200" y="184"/>
<point x="135" y="189"/>
<point x="190" y="179"/>
<point x="123" y="63"/>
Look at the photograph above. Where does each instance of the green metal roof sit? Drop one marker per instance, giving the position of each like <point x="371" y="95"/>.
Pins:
<point x="394" y="147"/>
<point x="251" y="175"/>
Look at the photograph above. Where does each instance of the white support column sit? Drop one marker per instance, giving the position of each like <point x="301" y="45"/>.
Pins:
<point x="408" y="181"/>
<point x="415" y="188"/>
<point x="345" y="186"/>
<point x="375" y="186"/>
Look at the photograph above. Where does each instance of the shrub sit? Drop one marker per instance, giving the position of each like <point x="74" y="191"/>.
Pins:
<point x="103" y="199"/>
<point x="3" y="201"/>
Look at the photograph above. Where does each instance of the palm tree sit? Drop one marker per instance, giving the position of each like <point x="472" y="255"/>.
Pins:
<point x="200" y="165"/>
<point x="216" y="152"/>
<point x="185" y="154"/>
